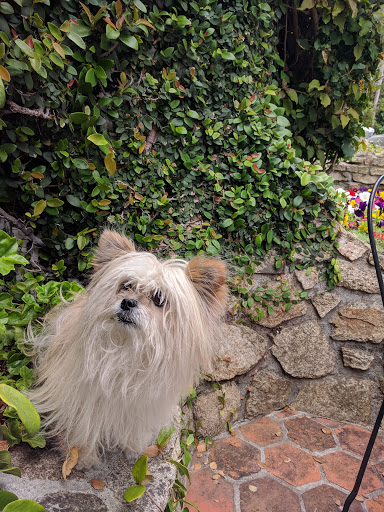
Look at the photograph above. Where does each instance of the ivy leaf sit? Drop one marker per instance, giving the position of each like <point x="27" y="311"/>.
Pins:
<point x="139" y="470"/>
<point x="325" y="99"/>
<point x="358" y="51"/>
<point x="98" y="139"/>
<point x="110" y="163"/>
<point x="307" y="4"/>
<point x="353" y="6"/>
<point x="344" y="120"/>
<point x="24" y="506"/>
<point x="24" y="408"/>
<point x="129" y="40"/>
<point x="293" y="95"/>
<point x="134" y="492"/>
<point x="164" y="435"/>
<point x="39" y="208"/>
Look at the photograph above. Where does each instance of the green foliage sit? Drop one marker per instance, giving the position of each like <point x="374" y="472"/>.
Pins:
<point x="165" y="120"/>
<point x="24" y="297"/>
<point x="330" y="51"/>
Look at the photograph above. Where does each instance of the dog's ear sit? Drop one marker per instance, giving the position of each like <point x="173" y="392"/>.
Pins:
<point x="111" y="245"/>
<point x="209" y="279"/>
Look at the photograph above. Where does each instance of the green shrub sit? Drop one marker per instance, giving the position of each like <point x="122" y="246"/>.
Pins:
<point x="330" y="50"/>
<point x="165" y="121"/>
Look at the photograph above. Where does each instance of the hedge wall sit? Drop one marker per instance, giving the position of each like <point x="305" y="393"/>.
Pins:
<point x="170" y="119"/>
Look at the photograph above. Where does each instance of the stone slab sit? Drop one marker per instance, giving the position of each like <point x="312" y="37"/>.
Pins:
<point x="303" y="351"/>
<point x="351" y="247"/>
<point x="358" y="322"/>
<point x="268" y="392"/>
<point x="207" y="410"/>
<point x="240" y="349"/>
<point x="343" y="398"/>
<point x="355" y="278"/>
<point x="42" y="481"/>
<point x="325" y="302"/>
<point x="357" y="358"/>
<point x="307" y="281"/>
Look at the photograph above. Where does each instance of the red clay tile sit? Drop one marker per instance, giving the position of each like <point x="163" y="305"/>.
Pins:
<point x="210" y="495"/>
<point x="324" y="498"/>
<point x="263" y="432"/>
<point x="329" y="423"/>
<point x="355" y="439"/>
<point x="341" y="469"/>
<point x="376" y="505"/>
<point x="308" y="434"/>
<point x="291" y="464"/>
<point x="270" y="496"/>
<point x="380" y="468"/>
<point x="235" y="457"/>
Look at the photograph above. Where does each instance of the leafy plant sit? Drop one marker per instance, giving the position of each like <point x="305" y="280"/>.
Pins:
<point x="170" y="121"/>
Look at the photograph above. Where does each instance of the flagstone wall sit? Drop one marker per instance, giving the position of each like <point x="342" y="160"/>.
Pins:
<point x="364" y="169"/>
<point x="324" y="356"/>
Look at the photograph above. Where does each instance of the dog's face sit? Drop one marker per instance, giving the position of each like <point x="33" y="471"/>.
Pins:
<point x="142" y="293"/>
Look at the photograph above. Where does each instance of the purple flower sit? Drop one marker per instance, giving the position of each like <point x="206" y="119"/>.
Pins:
<point x="359" y="213"/>
<point x="380" y="224"/>
<point x="362" y="206"/>
<point x="363" y="189"/>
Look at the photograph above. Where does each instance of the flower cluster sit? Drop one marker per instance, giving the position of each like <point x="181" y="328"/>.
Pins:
<point x="356" y="208"/>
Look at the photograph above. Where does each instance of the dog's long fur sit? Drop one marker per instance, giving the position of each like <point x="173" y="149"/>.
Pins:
<point x="109" y="378"/>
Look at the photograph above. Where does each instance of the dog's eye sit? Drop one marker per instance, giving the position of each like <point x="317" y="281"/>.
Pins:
<point x="127" y="286"/>
<point x="158" y="299"/>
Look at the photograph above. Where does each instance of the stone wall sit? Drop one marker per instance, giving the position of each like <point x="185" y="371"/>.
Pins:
<point x="364" y="169"/>
<point x="324" y="356"/>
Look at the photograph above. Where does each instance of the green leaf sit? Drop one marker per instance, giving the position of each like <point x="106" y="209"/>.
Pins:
<point x="55" y="202"/>
<point x="283" y="202"/>
<point x="98" y="139"/>
<point x="77" y="40"/>
<point x="8" y="254"/>
<point x="25" y="48"/>
<point x="307" y="4"/>
<point x="39" y="208"/>
<point x="24" y="506"/>
<point x="325" y="99"/>
<point x="305" y="179"/>
<point x="6" y="497"/>
<point x="344" y="120"/>
<point x="140" y="5"/>
<point x="73" y="200"/>
<point x="358" y="51"/>
<point x="6" y="8"/>
<point x="293" y="95"/>
<point x="78" y="117"/>
<point x="129" y="40"/>
<point x="227" y="223"/>
<point x="182" y="469"/>
<point x="55" y="31"/>
<point x="164" y="435"/>
<point x="168" y="52"/>
<point x="134" y="492"/>
<point x="140" y="469"/>
<point x="314" y="84"/>
<point x="25" y="409"/>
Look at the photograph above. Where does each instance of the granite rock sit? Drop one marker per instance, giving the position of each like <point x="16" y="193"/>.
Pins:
<point x="240" y="349"/>
<point x="351" y="247"/>
<point x="325" y="302"/>
<point x="357" y="358"/>
<point x="303" y="351"/>
<point x="268" y="392"/>
<point x="358" y="322"/>
<point x="354" y="278"/>
<point x="307" y="281"/>
<point x="207" y="409"/>
<point x="343" y="398"/>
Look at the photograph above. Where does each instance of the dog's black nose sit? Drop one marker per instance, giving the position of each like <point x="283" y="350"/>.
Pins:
<point x="127" y="304"/>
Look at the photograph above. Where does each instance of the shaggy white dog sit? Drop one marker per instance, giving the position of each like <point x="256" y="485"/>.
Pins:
<point x="112" y="364"/>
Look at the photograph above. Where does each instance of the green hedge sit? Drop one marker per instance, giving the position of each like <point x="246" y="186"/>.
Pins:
<point x="164" y="119"/>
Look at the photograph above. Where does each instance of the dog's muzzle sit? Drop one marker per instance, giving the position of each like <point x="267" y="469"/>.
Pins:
<point x="128" y="311"/>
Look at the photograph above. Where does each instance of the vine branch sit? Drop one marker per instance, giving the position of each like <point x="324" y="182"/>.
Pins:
<point x="38" y="112"/>
<point x="20" y="225"/>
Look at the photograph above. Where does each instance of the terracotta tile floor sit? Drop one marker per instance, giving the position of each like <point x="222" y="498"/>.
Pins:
<point x="287" y="461"/>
